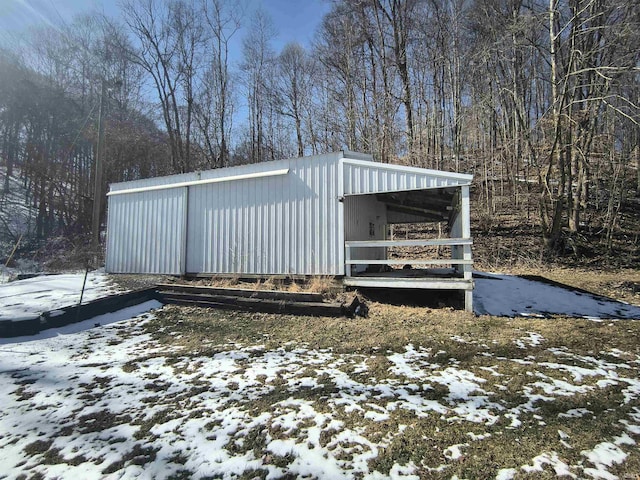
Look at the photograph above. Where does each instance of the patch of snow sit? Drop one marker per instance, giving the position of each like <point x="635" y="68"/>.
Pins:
<point x="28" y="299"/>
<point x="376" y="416"/>
<point x="519" y="361"/>
<point x="632" y="392"/>
<point x="551" y="459"/>
<point x="95" y="322"/>
<point x="461" y="383"/>
<point x="513" y="296"/>
<point x="532" y="339"/>
<point x="578" y="373"/>
<point x="453" y="452"/>
<point x="404" y="472"/>
<point x="616" y="352"/>
<point x="506" y="474"/>
<point x="606" y="383"/>
<point x="404" y="363"/>
<point x="575" y="413"/>
<point x="562" y="388"/>
<point x="492" y="371"/>
<point x="458" y="338"/>
<point x="476" y="437"/>
<point x="108" y="392"/>
<point x="603" y="455"/>
<point x="624" y="439"/>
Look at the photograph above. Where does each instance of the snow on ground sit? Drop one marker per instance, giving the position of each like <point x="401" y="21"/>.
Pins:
<point x="27" y="299"/>
<point x="511" y="296"/>
<point x="99" y="320"/>
<point x="110" y="402"/>
<point x="498" y="295"/>
<point x="22" y="266"/>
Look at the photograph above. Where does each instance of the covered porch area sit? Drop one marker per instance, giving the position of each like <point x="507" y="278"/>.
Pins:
<point x="375" y="257"/>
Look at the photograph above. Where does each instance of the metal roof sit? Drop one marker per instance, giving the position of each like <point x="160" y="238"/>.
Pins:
<point x="365" y="177"/>
<point x="361" y="176"/>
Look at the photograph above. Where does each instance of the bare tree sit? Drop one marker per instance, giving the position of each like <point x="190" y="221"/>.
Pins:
<point x="257" y="65"/>
<point x="292" y="87"/>
<point x="399" y="15"/>
<point x="48" y="117"/>
<point x="587" y="56"/>
<point x="215" y="112"/>
<point x="339" y="50"/>
<point x="169" y="39"/>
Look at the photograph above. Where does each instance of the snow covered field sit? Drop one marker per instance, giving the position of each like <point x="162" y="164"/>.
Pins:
<point x="27" y="299"/>
<point x="131" y="400"/>
<point x="406" y="393"/>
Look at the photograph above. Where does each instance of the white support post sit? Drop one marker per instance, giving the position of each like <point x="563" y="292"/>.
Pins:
<point x="342" y="248"/>
<point x="456" y="230"/>
<point x="468" y="301"/>
<point x="465" y="216"/>
<point x="347" y="259"/>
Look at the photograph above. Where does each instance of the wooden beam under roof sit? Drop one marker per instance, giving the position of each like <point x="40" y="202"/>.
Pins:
<point x="433" y="205"/>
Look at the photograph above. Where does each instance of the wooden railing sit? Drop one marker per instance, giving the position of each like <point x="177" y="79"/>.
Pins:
<point x="460" y="255"/>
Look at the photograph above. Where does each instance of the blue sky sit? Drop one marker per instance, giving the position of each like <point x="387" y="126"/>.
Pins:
<point x="294" y="20"/>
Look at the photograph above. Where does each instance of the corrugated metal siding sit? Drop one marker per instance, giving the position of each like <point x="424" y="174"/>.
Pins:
<point x="146" y="232"/>
<point x="211" y="174"/>
<point x="284" y="224"/>
<point x="150" y="182"/>
<point x="362" y="178"/>
<point x="275" y="225"/>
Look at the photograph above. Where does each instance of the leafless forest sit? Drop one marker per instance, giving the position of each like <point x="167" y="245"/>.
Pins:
<point x="539" y="99"/>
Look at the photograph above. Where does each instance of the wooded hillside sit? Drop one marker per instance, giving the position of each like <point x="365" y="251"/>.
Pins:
<point x="538" y="99"/>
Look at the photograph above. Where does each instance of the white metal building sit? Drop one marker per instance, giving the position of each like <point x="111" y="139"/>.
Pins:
<point x="319" y="215"/>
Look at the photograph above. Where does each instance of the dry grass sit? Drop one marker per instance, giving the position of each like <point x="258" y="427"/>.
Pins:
<point x="323" y="284"/>
<point x="391" y="328"/>
<point x="620" y="284"/>
<point x="490" y="348"/>
<point x="473" y="344"/>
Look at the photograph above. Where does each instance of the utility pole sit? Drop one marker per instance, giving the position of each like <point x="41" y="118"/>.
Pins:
<point x="97" y="189"/>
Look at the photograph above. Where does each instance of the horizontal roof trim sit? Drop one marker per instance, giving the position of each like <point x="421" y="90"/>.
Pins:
<point x="230" y="178"/>
<point x="402" y="168"/>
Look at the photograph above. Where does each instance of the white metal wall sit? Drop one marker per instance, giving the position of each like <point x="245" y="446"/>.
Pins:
<point x="359" y="212"/>
<point x="286" y="224"/>
<point x="282" y="224"/>
<point x="140" y="225"/>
